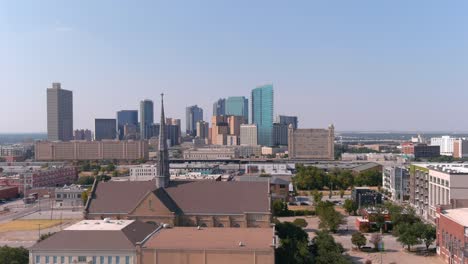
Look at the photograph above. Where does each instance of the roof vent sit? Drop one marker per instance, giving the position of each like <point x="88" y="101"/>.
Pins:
<point x="241" y="244"/>
<point x="107" y="220"/>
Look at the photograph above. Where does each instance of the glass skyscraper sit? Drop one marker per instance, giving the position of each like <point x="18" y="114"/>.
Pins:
<point x="262" y="113"/>
<point x="193" y="114"/>
<point x="126" y="117"/>
<point x="219" y="107"/>
<point x="238" y="106"/>
<point x="146" y="118"/>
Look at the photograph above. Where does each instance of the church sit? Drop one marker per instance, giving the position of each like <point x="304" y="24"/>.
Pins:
<point x="181" y="203"/>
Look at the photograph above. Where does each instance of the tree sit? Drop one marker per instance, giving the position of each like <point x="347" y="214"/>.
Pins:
<point x="330" y="219"/>
<point x="84" y="196"/>
<point x="85" y="180"/>
<point x="300" y="222"/>
<point x="293" y="244"/>
<point x="375" y="240"/>
<point x="317" y="196"/>
<point x="358" y="239"/>
<point x="115" y="173"/>
<point x="342" y="192"/>
<point x="310" y="178"/>
<point x="9" y="255"/>
<point x="408" y="235"/>
<point x="325" y="250"/>
<point x="350" y="206"/>
<point x="110" y="167"/>
<point x="45" y="236"/>
<point x="428" y="235"/>
<point x="279" y="208"/>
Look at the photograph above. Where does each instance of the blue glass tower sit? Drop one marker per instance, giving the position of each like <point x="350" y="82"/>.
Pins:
<point x="262" y="113"/>
<point x="126" y="117"/>
<point x="238" y="106"/>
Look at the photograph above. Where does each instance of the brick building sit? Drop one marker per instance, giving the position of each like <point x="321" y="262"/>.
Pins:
<point x="452" y="235"/>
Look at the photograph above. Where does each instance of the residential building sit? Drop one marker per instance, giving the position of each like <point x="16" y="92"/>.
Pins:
<point x="219" y="107"/>
<point x="238" y="106"/>
<point x="59" y="113"/>
<point x="445" y="143"/>
<point x="452" y="234"/>
<point x="146" y="118"/>
<point x="396" y="181"/>
<point x="94" y="150"/>
<point x="287" y="120"/>
<point x="93" y="241"/>
<point x="280" y="134"/>
<point x="262" y="113"/>
<point x="83" y="134"/>
<point x="311" y="143"/>
<point x="248" y="135"/>
<point x="209" y="246"/>
<point x="126" y="117"/>
<point x="364" y="196"/>
<point x="203" y="129"/>
<point x="460" y="148"/>
<point x="419" y="189"/>
<point x="104" y="128"/>
<point x="193" y="114"/>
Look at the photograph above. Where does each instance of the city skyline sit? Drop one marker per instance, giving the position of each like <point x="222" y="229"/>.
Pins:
<point x="329" y="64"/>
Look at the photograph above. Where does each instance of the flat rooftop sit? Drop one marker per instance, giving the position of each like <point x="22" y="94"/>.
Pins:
<point x="100" y="225"/>
<point x="193" y="238"/>
<point x="459" y="215"/>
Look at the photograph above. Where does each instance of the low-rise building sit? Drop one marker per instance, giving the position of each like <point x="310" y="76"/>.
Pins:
<point x="211" y="153"/>
<point x="364" y="196"/>
<point x="93" y="241"/>
<point x="8" y="192"/>
<point x="452" y="235"/>
<point x="69" y="196"/>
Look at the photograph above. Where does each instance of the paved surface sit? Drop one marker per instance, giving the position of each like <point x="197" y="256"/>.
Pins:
<point x="394" y="251"/>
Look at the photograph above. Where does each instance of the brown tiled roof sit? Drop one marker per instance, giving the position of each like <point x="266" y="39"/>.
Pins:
<point x="200" y="197"/>
<point x="191" y="238"/>
<point x="124" y="239"/>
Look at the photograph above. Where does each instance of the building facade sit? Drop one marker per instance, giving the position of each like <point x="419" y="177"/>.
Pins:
<point x="193" y="114"/>
<point x="288" y="120"/>
<point x="311" y="143"/>
<point x="146" y="118"/>
<point x="83" y="134"/>
<point x="396" y="181"/>
<point x="460" y="148"/>
<point x="59" y="113"/>
<point x="219" y="107"/>
<point x="262" y="113"/>
<point x="219" y="130"/>
<point x="248" y="135"/>
<point x="95" y="150"/>
<point x="238" y="106"/>
<point x="203" y="129"/>
<point x="445" y="143"/>
<point x="280" y="134"/>
<point x="452" y="235"/>
<point x="104" y="128"/>
<point x="126" y="117"/>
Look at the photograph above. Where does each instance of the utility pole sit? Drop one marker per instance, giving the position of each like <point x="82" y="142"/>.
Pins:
<point x="39" y="231"/>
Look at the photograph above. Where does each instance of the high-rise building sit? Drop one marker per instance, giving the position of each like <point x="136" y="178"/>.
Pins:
<point x="280" y="134"/>
<point x="59" y="113"/>
<point x="146" y="118"/>
<point x="248" y="135"/>
<point x="219" y="130"/>
<point x="126" y="117"/>
<point x="174" y="122"/>
<point x="315" y="144"/>
<point x="445" y="143"/>
<point x="193" y="114"/>
<point x="460" y="148"/>
<point x="104" y="128"/>
<point x="287" y="120"/>
<point x="203" y="129"/>
<point x="219" y="107"/>
<point x="82" y="134"/>
<point x="262" y="113"/>
<point x="238" y="106"/>
<point x="234" y="124"/>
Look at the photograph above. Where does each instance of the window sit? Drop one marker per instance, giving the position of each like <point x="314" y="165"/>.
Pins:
<point x="117" y="260"/>
<point x="55" y="259"/>
<point x="70" y="259"/>
<point x="109" y="260"/>
<point x="127" y="260"/>
<point x="81" y="259"/>
<point x="101" y="259"/>
<point x="62" y="260"/>
<point x="38" y="259"/>
<point x="47" y="259"/>
<point x="94" y="260"/>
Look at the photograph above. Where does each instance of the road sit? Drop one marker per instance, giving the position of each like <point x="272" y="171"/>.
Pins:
<point x="18" y="209"/>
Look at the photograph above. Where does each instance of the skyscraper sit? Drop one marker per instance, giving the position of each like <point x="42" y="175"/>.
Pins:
<point x="203" y="129"/>
<point x="287" y="120"/>
<point x="262" y="113"/>
<point x="126" y="117"/>
<point x="238" y="106"/>
<point x="193" y="114"/>
<point x="59" y="113"/>
<point x="104" y="128"/>
<point x="147" y="118"/>
<point x="163" y="176"/>
<point x="248" y="135"/>
<point x="219" y="107"/>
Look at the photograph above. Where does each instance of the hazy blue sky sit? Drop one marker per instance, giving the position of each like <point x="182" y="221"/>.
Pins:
<point x="362" y="65"/>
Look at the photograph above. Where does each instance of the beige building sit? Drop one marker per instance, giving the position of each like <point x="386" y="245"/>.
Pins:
<point x="211" y="153"/>
<point x="311" y="143"/>
<point x="91" y="150"/>
<point x="248" y="135"/>
<point x="235" y="123"/>
<point x="191" y="245"/>
<point x="203" y="129"/>
<point x="93" y="241"/>
<point x="219" y="130"/>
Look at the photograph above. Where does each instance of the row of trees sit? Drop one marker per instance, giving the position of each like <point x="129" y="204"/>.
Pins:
<point x="312" y="178"/>
<point x="415" y="234"/>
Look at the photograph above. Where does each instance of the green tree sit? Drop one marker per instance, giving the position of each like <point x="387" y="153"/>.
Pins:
<point x="9" y="255"/>
<point x="330" y="219"/>
<point x="45" y="236"/>
<point x="293" y="244"/>
<point x="310" y="178"/>
<point x="85" y="180"/>
<point x="428" y="235"/>
<point x="317" y="196"/>
<point x="350" y="206"/>
<point x="358" y="239"/>
<point x="325" y="250"/>
<point x="115" y="173"/>
<point x="279" y="208"/>
<point x="342" y="192"/>
<point x="84" y="196"/>
<point x="110" y="167"/>
<point x="300" y="222"/>
<point x="408" y="235"/>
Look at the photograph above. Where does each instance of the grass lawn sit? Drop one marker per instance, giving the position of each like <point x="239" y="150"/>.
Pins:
<point x="27" y="225"/>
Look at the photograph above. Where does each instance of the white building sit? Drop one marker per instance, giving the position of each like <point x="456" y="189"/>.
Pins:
<point x="445" y="143"/>
<point x="143" y="172"/>
<point x="248" y="135"/>
<point x="396" y="181"/>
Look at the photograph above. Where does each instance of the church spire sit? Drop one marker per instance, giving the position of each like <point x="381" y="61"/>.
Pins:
<point x="162" y="179"/>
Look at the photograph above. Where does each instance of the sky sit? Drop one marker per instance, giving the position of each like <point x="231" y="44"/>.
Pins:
<point x="361" y="65"/>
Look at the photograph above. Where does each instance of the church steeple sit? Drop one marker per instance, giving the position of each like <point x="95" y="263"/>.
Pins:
<point x="163" y="177"/>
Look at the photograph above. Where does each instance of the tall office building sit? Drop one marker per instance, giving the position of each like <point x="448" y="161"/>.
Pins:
<point x="219" y="107"/>
<point x="234" y="124"/>
<point x="173" y="122"/>
<point x="59" y="113"/>
<point x="287" y="120"/>
<point x="146" y="118"/>
<point x="104" y="128"/>
<point x="262" y="113"/>
<point x="193" y="114"/>
<point x="83" y="134"/>
<point x="219" y="130"/>
<point x="203" y="129"/>
<point x="238" y="106"/>
<point x="248" y="135"/>
<point x="280" y="134"/>
<point x="126" y="117"/>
